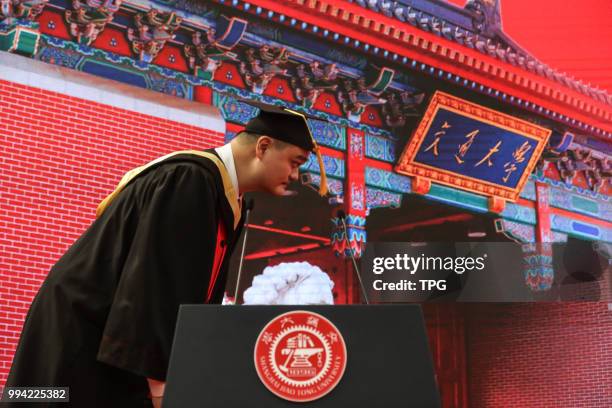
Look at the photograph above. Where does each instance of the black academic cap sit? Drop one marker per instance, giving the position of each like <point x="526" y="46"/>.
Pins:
<point x="281" y="123"/>
<point x="287" y="125"/>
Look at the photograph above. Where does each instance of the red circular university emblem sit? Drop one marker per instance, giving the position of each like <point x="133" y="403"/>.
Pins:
<point x="300" y="356"/>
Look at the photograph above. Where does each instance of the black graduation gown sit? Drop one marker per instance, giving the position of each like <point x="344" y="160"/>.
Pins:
<point x="103" y="320"/>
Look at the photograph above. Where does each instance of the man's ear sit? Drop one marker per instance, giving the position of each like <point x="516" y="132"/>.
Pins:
<point x="264" y="143"/>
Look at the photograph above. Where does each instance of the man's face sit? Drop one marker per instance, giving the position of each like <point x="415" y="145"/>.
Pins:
<point x="279" y="165"/>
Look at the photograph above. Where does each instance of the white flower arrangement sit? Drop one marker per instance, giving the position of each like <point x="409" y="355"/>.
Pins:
<point x="290" y="283"/>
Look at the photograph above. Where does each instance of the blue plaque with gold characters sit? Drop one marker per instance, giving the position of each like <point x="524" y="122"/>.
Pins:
<point x="472" y="147"/>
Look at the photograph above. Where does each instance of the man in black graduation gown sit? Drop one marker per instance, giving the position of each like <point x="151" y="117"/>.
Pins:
<point x="103" y="321"/>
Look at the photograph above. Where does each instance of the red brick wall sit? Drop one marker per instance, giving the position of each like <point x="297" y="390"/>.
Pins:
<point x="539" y="355"/>
<point x="59" y="156"/>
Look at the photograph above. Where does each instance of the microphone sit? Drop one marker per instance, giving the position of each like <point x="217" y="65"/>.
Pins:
<point x="342" y="216"/>
<point x="250" y="203"/>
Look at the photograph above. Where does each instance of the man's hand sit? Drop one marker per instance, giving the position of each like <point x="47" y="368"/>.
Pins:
<point x="157" y="391"/>
<point x="157" y="402"/>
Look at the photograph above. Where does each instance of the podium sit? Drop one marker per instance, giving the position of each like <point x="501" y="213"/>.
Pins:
<point x="290" y="356"/>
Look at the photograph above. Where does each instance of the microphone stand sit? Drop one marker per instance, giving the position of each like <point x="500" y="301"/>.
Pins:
<point x="342" y="215"/>
<point x="249" y="207"/>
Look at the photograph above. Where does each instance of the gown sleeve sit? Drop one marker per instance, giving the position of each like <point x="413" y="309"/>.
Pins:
<point x="169" y="263"/>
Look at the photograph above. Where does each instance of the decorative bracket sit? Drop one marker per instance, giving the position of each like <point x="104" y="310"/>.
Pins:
<point x="356" y="95"/>
<point x="12" y="11"/>
<point x="88" y="19"/>
<point x="18" y="27"/>
<point x="312" y="79"/>
<point x="205" y="56"/>
<point x="153" y="29"/>
<point x="538" y="270"/>
<point x="400" y="106"/>
<point x="355" y="226"/>
<point x="261" y="65"/>
<point x="537" y="266"/>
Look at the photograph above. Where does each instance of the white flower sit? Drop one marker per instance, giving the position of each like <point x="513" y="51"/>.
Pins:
<point x="290" y="283"/>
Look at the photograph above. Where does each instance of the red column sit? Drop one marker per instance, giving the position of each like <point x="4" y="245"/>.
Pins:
<point x="543" y="232"/>
<point x="355" y="193"/>
<point x="354" y="205"/>
<point x="537" y="257"/>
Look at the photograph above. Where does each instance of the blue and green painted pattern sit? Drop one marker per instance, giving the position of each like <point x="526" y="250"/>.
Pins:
<point x="569" y="187"/>
<point x="328" y="134"/>
<point x="334" y="167"/>
<point x="21" y="37"/>
<point x="356" y="235"/>
<point x="109" y="65"/>
<point x="520" y="213"/>
<point x="558" y="236"/>
<point x="529" y="191"/>
<point x="380" y="148"/>
<point x="387" y="180"/>
<point x="580" y="229"/>
<point x="538" y="271"/>
<point x="376" y="198"/>
<point x="580" y="203"/>
<point x="233" y="110"/>
<point x="516" y="231"/>
<point x="458" y="198"/>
